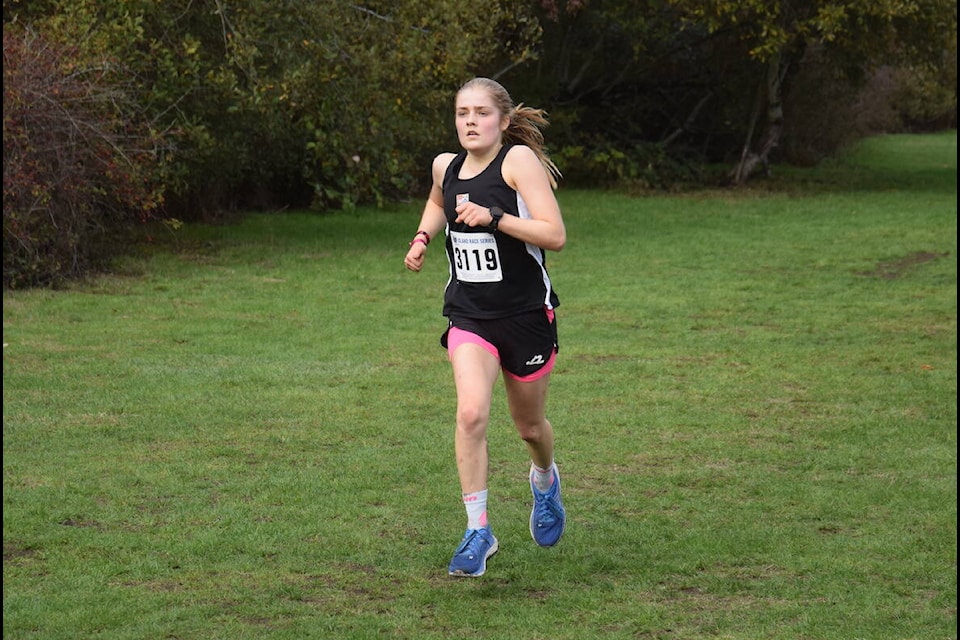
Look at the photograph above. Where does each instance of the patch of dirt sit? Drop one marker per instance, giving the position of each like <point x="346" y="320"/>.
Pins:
<point x="14" y="551"/>
<point x="893" y="269"/>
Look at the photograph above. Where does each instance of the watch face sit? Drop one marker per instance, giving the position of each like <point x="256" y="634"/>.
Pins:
<point x="495" y="214"/>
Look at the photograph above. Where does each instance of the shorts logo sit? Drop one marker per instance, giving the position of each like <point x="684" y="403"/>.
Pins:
<point x="537" y="359"/>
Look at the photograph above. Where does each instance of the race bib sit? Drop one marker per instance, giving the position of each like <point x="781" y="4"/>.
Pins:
<point x="475" y="257"/>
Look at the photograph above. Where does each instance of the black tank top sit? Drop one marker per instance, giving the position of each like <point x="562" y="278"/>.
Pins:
<point x="492" y="275"/>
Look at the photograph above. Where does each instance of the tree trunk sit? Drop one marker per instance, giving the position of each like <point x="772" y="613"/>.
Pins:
<point x="750" y="159"/>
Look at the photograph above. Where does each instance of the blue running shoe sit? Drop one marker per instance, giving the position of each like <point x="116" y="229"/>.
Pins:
<point x="470" y="558"/>
<point x="548" y="518"/>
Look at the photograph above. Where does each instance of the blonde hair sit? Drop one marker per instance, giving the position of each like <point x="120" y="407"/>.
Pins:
<point x="526" y="123"/>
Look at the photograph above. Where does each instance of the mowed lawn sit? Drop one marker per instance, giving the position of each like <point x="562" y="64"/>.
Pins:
<point x="246" y="431"/>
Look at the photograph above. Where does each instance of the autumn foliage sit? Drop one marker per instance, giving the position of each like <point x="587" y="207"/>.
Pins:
<point x="76" y="167"/>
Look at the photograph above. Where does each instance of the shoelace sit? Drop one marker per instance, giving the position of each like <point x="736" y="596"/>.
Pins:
<point x="547" y="510"/>
<point x="471" y="545"/>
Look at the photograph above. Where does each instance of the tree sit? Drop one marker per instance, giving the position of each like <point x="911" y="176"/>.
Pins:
<point x="648" y="91"/>
<point x="596" y="71"/>
<point x="857" y="37"/>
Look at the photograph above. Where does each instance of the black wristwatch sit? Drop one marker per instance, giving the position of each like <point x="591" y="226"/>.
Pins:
<point x="496" y="213"/>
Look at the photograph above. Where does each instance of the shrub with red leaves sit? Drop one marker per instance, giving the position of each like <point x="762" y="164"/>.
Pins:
<point x="78" y="165"/>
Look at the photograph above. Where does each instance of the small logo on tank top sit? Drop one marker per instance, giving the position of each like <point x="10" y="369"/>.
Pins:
<point x="462" y="197"/>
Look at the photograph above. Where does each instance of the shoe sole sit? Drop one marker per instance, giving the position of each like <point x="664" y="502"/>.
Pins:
<point x="483" y="567"/>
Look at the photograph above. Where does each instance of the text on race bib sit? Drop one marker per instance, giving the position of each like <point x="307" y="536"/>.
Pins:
<point x="475" y="257"/>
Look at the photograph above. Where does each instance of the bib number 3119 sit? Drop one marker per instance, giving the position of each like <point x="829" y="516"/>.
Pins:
<point x="476" y="257"/>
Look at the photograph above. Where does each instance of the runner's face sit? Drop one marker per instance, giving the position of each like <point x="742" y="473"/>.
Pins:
<point x="479" y="122"/>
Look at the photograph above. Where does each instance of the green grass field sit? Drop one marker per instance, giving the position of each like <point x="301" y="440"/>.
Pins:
<point x="247" y="431"/>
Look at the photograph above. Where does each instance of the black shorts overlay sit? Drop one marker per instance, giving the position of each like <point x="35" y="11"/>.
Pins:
<point x="525" y="341"/>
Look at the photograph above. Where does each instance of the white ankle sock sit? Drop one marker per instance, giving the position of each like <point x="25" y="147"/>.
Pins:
<point x="476" y="505"/>
<point x="542" y="478"/>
